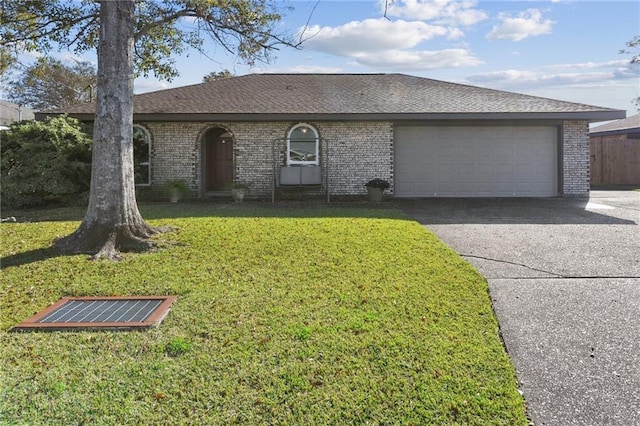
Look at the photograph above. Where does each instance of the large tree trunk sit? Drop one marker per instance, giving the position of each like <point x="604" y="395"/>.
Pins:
<point x="112" y="222"/>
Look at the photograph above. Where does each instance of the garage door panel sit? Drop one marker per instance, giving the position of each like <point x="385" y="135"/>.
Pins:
<point x="466" y="156"/>
<point x="502" y="152"/>
<point x="482" y="154"/>
<point x="453" y="187"/>
<point x="459" y="169"/>
<point x="527" y="172"/>
<point x="475" y="161"/>
<point x="505" y="188"/>
<point x="424" y="188"/>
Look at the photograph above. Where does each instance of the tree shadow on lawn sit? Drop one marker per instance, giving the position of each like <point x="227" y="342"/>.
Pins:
<point x="199" y="209"/>
<point x="30" y="256"/>
<point x="249" y="209"/>
<point x="426" y="211"/>
<point x="280" y="209"/>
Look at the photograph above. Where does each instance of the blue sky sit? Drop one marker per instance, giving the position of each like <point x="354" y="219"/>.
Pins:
<point x="562" y="49"/>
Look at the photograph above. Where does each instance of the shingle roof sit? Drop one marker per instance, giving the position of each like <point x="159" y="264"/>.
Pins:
<point x="628" y="125"/>
<point x="379" y="95"/>
<point x="10" y="112"/>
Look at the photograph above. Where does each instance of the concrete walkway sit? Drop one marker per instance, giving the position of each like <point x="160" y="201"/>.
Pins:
<point x="564" y="276"/>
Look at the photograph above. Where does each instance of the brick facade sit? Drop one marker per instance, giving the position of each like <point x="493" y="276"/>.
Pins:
<point x="575" y="158"/>
<point x="352" y="153"/>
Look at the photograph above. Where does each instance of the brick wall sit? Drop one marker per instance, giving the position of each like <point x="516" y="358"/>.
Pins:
<point x="352" y="153"/>
<point x="358" y="152"/>
<point x="575" y="158"/>
<point x="174" y="153"/>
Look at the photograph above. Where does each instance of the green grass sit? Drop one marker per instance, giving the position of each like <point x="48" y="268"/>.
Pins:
<point x="307" y="316"/>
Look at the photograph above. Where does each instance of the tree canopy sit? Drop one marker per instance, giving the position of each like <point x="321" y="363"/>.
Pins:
<point x="633" y="48"/>
<point x="217" y="75"/>
<point x="49" y="83"/>
<point x="163" y="29"/>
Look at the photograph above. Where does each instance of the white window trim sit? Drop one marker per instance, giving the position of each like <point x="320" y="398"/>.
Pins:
<point x="291" y="162"/>
<point x="145" y="163"/>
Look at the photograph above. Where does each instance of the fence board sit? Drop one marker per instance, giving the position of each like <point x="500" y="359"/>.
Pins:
<point x="615" y="160"/>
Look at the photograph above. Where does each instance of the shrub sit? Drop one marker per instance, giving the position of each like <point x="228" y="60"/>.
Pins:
<point x="176" y="189"/>
<point x="44" y="162"/>
<point x="378" y="183"/>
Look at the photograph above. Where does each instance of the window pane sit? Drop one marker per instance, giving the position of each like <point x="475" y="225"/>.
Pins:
<point x="141" y="145"/>
<point x="304" y="133"/>
<point x="141" y="174"/>
<point x="302" y="150"/>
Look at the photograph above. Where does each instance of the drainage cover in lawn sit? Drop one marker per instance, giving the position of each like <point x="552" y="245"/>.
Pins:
<point x="100" y="312"/>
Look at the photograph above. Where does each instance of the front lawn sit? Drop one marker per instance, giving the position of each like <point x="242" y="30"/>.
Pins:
<point x="304" y="316"/>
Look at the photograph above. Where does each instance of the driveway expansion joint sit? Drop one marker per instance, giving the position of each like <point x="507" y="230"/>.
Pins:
<point x="569" y="277"/>
<point x="471" y="256"/>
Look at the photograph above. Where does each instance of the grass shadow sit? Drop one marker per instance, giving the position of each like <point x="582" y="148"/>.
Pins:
<point x="223" y="208"/>
<point x="198" y="209"/>
<point x="282" y="209"/>
<point x="31" y="256"/>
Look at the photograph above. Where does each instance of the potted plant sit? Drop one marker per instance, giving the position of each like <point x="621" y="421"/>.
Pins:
<point x="375" y="189"/>
<point x="238" y="191"/>
<point x="176" y="189"/>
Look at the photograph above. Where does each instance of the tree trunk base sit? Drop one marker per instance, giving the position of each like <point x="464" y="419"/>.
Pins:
<point x="106" y="242"/>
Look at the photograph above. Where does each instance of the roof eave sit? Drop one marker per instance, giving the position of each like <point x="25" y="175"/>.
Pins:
<point x="630" y="131"/>
<point x="591" y="116"/>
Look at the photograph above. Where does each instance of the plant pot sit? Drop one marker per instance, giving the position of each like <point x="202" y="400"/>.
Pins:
<point x="237" y="194"/>
<point x="374" y="194"/>
<point x="176" y="190"/>
<point x="174" y="196"/>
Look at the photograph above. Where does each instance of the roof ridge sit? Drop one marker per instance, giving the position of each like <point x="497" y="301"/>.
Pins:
<point x="363" y="94"/>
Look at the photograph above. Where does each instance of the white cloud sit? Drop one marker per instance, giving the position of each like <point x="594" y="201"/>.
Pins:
<point x="527" y="24"/>
<point x="381" y="43"/>
<point x="72" y="58"/>
<point x="590" y="65"/>
<point x="402" y="60"/>
<point x="372" y="35"/>
<point x="30" y="55"/>
<point x="451" y="12"/>
<point x="566" y="75"/>
<point x="534" y="78"/>
<point x="142" y="85"/>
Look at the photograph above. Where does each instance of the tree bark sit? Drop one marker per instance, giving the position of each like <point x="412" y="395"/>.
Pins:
<point x="112" y="222"/>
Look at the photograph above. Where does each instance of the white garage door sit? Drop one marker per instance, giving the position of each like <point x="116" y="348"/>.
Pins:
<point x="476" y="161"/>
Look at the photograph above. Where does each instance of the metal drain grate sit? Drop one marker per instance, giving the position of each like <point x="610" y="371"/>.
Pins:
<point x="101" y="312"/>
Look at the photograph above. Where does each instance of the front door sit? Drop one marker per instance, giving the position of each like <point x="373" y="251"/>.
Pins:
<point x="218" y="159"/>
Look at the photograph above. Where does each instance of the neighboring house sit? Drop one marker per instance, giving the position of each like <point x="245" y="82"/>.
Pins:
<point x="332" y="133"/>
<point x="615" y="152"/>
<point x="10" y="112"/>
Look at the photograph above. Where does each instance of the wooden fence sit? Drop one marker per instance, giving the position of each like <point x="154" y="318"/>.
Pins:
<point x="615" y="160"/>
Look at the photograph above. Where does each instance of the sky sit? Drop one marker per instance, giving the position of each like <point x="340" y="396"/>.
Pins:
<point x="561" y="49"/>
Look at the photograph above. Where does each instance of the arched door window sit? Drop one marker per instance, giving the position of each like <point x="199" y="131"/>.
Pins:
<point x="303" y="145"/>
<point x="141" y="155"/>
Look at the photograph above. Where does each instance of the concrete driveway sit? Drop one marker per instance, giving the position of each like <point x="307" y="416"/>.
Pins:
<point x="564" y="276"/>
